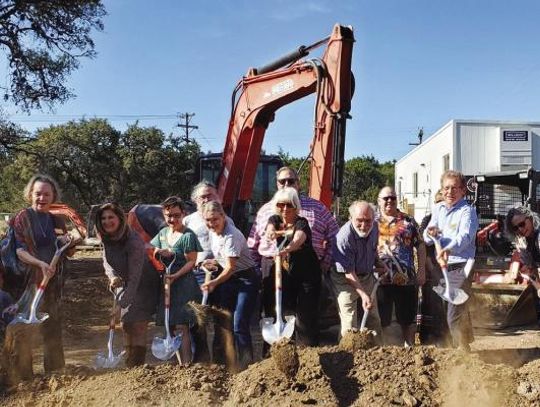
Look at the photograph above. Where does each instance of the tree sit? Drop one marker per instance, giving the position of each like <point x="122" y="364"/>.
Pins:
<point x="43" y="42"/>
<point x="364" y="177"/>
<point x="93" y="163"/>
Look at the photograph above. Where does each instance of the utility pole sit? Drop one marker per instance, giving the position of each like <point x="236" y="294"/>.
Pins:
<point x="186" y="117"/>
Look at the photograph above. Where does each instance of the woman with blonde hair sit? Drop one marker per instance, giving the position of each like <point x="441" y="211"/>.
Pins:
<point x="235" y="284"/>
<point x="36" y="233"/>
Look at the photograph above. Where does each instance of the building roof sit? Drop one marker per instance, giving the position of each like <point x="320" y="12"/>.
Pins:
<point x="469" y="121"/>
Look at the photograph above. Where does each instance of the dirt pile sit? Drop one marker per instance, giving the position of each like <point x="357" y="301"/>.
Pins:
<point x="148" y="385"/>
<point x="342" y="375"/>
<point x="423" y="376"/>
<point x="285" y="357"/>
<point x="356" y="340"/>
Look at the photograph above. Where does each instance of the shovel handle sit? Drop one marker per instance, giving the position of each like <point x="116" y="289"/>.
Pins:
<point x="278" y="276"/>
<point x="167" y="293"/>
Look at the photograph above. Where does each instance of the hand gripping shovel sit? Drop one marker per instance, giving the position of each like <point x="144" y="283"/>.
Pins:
<point x="36" y="317"/>
<point x="110" y="360"/>
<point x="165" y="348"/>
<point x="373" y="297"/>
<point x="453" y="295"/>
<point x="274" y="332"/>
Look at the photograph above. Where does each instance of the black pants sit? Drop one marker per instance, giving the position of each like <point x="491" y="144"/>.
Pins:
<point x="301" y="291"/>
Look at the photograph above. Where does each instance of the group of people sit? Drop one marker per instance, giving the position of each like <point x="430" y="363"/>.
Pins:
<point x="378" y="247"/>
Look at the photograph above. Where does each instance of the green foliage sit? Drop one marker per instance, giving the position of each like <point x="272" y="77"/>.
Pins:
<point x="364" y="177"/>
<point x="94" y="163"/>
<point x="43" y="42"/>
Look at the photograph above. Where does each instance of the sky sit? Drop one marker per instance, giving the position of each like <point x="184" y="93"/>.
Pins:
<point x="417" y="63"/>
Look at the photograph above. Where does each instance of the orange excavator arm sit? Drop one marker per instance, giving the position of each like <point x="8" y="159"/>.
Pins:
<point x="263" y="91"/>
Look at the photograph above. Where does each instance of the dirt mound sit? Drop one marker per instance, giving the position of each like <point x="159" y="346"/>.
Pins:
<point x="332" y="375"/>
<point x="285" y="357"/>
<point x="158" y="385"/>
<point x="355" y="340"/>
<point x="528" y="382"/>
<point x="380" y="376"/>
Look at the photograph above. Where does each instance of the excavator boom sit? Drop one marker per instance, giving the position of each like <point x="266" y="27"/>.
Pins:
<point x="263" y="91"/>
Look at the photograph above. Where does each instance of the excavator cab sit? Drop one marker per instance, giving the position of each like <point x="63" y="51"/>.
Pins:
<point x="499" y="303"/>
<point x="264" y="186"/>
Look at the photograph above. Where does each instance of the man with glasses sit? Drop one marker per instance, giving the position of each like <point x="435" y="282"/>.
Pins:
<point x="455" y="222"/>
<point x="398" y="237"/>
<point x="323" y="225"/>
<point x="355" y="254"/>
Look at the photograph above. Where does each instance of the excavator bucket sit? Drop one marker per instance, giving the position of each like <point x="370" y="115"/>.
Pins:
<point x="500" y="306"/>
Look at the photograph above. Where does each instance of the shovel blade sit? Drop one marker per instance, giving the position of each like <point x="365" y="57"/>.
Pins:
<point x="274" y="332"/>
<point x="39" y="318"/>
<point x="165" y="348"/>
<point x="105" y="361"/>
<point x="457" y="295"/>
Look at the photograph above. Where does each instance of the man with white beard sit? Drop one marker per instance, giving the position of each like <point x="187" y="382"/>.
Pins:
<point x="355" y="255"/>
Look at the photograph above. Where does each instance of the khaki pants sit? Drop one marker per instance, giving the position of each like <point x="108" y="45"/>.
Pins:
<point x="350" y="309"/>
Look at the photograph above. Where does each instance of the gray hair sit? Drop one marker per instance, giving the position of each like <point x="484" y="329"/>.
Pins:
<point x="287" y="194"/>
<point x="362" y="203"/>
<point x="203" y="184"/>
<point x="213" y="206"/>
<point x="283" y="169"/>
<point x="523" y="211"/>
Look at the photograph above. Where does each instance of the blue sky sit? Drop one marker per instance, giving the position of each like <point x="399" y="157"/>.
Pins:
<point x="417" y="63"/>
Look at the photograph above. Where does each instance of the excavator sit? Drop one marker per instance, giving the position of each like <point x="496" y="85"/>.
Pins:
<point x="255" y="99"/>
<point x="262" y="91"/>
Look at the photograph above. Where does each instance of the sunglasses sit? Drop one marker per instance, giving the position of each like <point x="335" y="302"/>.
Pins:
<point x="287" y="181"/>
<point x="519" y="225"/>
<point x="283" y="205"/>
<point x="388" y="198"/>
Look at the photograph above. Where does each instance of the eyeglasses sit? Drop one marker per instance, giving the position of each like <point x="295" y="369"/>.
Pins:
<point x="519" y="225"/>
<point x="389" y="198"/>
<point x="283" y="205"/>
<point x="287" y="181"/>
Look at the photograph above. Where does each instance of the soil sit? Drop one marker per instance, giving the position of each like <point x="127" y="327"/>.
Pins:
<point x="285" y="357"/>
<point x="502" y="370"/>
<point x="355" y="340"/>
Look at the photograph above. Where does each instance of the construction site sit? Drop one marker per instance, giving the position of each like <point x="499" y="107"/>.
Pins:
<point x="498" y="160"/>
<point x="501" y="370"/>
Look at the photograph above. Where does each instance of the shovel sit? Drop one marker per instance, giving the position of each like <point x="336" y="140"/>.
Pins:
<point x="110" y="360"/>
<point x="274" y="332"/>
<point x="453" y="295"/>
<point x="373" y="297"/>
<point x="165" y="348"/>
<point x="36" y="317"/>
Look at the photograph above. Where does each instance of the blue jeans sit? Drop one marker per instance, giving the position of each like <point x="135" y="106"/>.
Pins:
<point x="239" y="295"/>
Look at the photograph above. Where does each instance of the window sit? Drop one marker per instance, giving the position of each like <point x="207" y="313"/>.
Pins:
<point x="446" y="162"/>
<point x="415" y="184"/>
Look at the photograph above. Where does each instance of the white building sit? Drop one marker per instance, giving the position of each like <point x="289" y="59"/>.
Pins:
<point x="470" y="146"/>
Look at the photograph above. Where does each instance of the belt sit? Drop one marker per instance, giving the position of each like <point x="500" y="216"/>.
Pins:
<point x="456" y="266"/>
